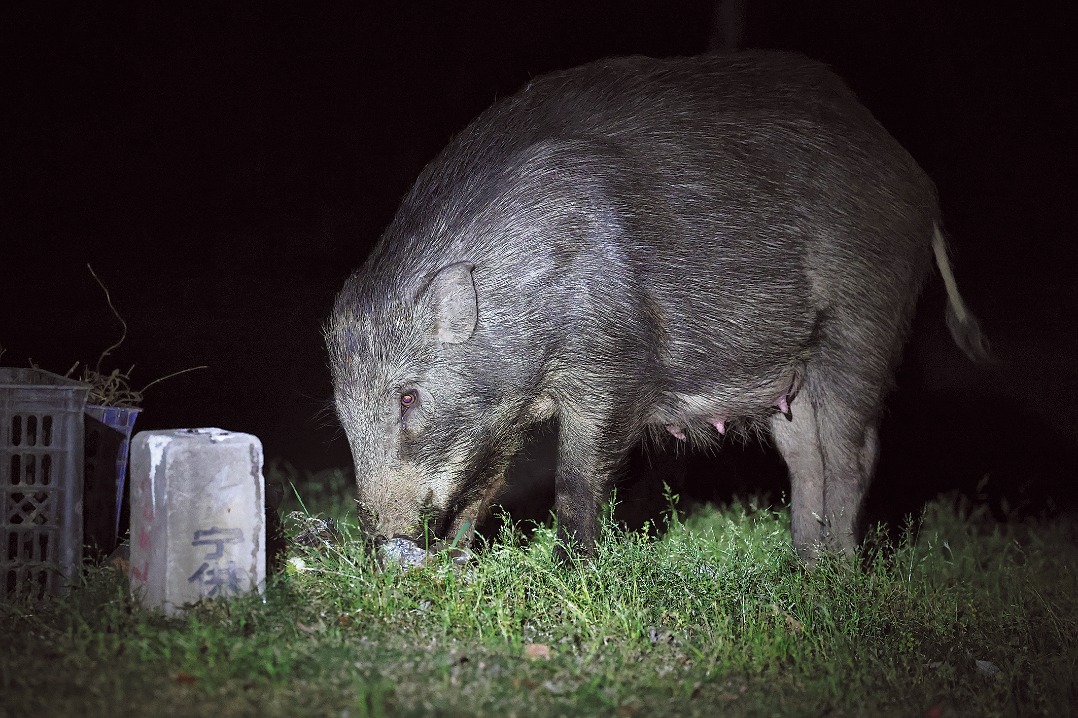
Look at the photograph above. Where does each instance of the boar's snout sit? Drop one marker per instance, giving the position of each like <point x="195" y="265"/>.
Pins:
<point x="395" y="509"/>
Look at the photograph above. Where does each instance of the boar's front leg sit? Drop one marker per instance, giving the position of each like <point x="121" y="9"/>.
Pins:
<point x="589" y="455"/>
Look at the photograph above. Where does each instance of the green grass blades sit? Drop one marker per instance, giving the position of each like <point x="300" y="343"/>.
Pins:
<point x="957" y="615"/>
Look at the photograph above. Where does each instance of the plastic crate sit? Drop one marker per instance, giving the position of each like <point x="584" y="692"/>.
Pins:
<point x="108" y="435"/>
<point x="41" y="464"/>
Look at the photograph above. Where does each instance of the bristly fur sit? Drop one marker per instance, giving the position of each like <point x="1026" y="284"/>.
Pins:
<point x="631" y="246"/>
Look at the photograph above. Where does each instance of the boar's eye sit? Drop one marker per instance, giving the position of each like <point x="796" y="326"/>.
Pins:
<point x="408" y="400"/>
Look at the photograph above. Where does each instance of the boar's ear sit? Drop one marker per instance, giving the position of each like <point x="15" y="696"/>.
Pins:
<point x="451" y="298"/>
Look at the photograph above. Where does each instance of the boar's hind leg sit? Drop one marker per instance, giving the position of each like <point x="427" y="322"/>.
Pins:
<point x="831" y="458"/>
<point x="798" y="441"/>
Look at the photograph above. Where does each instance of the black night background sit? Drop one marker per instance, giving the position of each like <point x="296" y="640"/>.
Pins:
<point x="224" y="168"/>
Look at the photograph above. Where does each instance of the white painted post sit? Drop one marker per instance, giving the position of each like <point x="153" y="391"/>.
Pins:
<point x="198" y="520"/>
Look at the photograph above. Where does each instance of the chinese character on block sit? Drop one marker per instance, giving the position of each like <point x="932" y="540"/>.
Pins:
<point x="216" y="578"/>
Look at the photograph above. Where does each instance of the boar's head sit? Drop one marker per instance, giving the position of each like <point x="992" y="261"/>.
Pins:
<point x="416" y="403"/>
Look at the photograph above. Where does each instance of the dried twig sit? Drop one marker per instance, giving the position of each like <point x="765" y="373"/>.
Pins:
<point x="114" y="388"/>
<point x="108" y="298"/>
<point x="169" y="376"/>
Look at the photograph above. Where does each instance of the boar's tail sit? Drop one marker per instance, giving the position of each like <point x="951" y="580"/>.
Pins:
<point x="964" y="328"/>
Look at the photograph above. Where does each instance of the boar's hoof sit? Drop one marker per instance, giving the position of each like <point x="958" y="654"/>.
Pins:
<point x="460" y="556"/>
<point x="808" y="553"/>
<point x="570" y="550"/>
<point x="563" y="555"/>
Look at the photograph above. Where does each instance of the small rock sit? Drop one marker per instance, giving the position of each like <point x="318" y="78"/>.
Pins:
<point x="403" y="552"/>
<point x="407" y="554"/>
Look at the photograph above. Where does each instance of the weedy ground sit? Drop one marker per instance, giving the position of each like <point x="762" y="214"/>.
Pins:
<point x="961" y="615"/>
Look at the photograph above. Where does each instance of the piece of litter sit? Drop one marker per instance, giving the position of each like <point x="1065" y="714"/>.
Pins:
<point x="537" y="651"/>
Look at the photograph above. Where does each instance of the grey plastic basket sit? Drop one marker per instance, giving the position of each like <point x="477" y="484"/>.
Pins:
<point x="41" y="464"/>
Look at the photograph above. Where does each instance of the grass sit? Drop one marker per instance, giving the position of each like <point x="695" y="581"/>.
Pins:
<point x="960" y="616"/>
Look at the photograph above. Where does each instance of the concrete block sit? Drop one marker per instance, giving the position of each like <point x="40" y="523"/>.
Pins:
<point x="198" y="521"/>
